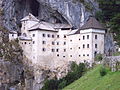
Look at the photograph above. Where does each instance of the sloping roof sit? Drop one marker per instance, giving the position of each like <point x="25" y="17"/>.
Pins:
<point x="13" y="32"/>
<point x="73" y="32"/>
<point x="60" y="26"/>
<point x="25" y="38"/>
<point x="92" y="23"/>
<point x="42" y="26"/>
<point x="30" y="17"/>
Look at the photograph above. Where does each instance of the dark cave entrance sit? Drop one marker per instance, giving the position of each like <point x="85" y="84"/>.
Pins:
<point x="34" y="6"/>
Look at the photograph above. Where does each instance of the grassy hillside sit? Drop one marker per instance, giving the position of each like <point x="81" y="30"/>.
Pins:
<point x="93" y="81"/>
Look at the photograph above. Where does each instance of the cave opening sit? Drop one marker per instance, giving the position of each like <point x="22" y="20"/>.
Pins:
<point x="34" y="6"/>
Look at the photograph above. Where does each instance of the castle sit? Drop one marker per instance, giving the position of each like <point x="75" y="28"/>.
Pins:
<point x="54" y="44"/>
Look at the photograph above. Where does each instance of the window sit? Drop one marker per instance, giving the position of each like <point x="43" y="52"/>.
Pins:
<point x="64" y="50"/>
<point x="71" y="48"/>
<point x="83" y="37"/>
<point x="87" y="45"/>
<point x="63" y="56"/>
<point x="70" y="40"/>
<point x="57" y="50"/>
<point x="12" y="35"/>
<point x="33" y="35"/>
<point x="43" y="49"/>
<point x="79" y="39"/>
<point x="70" y="55"/>
<point x="57" y="43"/>
<point x="43" y="35"/>
<point x="53" y="50"/>
<point x="53" y="36"/>
<point x="64" y="43"/>
<point x="83" y="45"/>
<point x="87" y="54"/>
<point x="79" y="47"/>
<point x="43" y="42"/>
<point x="48" y="35"/>
<point x="87" y="36"/>
<point x="64" y="36"/>
<point x="95" y="45"/>
<point x="79" y="55"/>
<point x="95" y="36"/>
<point x="58" y="55"/>
<point x="53" y="43"/>
<point x="25" y="42"/>
<point x="33" y="42"/>
<point x="83" y="54"/>
<point x="58" y="36"/>
<point x="24" y="34"/>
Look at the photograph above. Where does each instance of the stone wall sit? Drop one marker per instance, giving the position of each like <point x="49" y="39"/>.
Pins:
<point x="113" y="62"/>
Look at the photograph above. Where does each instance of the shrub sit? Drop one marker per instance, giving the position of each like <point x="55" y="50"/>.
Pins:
<point x="98" y="57"/>
<point x="75" y="73"/>
<point x="103" y="71"/>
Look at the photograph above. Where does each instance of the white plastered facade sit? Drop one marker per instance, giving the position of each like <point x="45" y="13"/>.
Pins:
<point x="58" y="46"/>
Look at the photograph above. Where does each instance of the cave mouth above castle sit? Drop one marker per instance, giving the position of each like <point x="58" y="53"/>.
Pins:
<point x="34" y="6"/>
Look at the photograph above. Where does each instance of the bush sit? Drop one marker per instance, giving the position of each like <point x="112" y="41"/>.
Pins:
<point x="103" y="71"/>
<point x="76" y="72"/>
<point x="98" y="57"/>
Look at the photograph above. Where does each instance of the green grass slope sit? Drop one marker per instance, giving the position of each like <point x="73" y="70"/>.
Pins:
<point x="93" y="81"/>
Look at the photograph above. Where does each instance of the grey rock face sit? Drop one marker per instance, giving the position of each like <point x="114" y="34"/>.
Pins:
<point x="109" y="44"/>
<point x="63" y="11"/>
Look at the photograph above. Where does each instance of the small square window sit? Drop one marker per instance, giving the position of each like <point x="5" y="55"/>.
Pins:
<point x="48" y="35"/>
<point x="53" y="36"/>
<point x="79" y="55"/>
<point x="79" y="47"/>
<point x="12" y="35"/>
<point x="83" y="37"/>
<point x="43" y="42"/>
<point x="71" y="48"/>
<point x="70" y="55"/>
<point x="87" y="45"/>
<point x="83" y="54"/>
<point x="83" y="45"/>
<point x="53" y="43"/>
<point x="95" y="36"/>
<point x="43" y="35"/>
<point x="64" y="50"/>
<point x="25" y="42"/>
<point x="53" y="50"/>
<point x="79" y="39"/>
<point x="70" y="40"/>
<point x="43" y="49"/>
<point x="33" y="42"/>
<point x="58" y="36"/>
<point x="57" y="50"/>
<point x="64" y="43"/>
<point x="64" y="56"/>
<point x="64" y="36"/>
<point x="57" y="55"/>
<point x="33" y="35"/>
<point x="87" y="36"/>
<point x="57" y="43"/>
<point x="87" y="54"/>
<point x="95" y="45"/>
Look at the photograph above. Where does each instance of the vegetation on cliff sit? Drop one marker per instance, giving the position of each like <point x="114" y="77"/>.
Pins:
<point x="76" y="72"/>
<point x="92" y="80"/>
<point x="110" y="16"/>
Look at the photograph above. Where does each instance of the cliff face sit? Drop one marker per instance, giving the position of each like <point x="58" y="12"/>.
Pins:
<point x="74" y="12"/>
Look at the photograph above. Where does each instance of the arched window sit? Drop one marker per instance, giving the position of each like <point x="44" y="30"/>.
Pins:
<point x="24" y="34"/>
